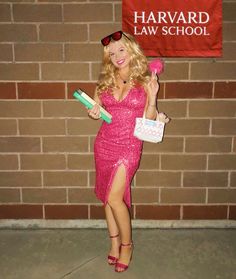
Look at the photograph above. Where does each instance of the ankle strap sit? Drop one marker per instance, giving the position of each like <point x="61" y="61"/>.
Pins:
<point x="114" y="236"/>
<point x="128" y="244"/>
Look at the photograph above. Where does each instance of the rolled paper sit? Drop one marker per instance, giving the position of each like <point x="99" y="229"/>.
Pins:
<point x="156" y="66"/>
<point x="104" y="115"/>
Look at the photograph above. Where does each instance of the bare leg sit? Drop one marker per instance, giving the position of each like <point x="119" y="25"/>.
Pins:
<point x="121" y="213"/>
<point x="113" y="230"/>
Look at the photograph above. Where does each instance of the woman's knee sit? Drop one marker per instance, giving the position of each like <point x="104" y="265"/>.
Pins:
<point x="114" y="201"/>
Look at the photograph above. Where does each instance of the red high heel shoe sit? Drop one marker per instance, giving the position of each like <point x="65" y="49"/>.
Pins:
<point x="112" y="258"/>
<point x="121" y="265"/>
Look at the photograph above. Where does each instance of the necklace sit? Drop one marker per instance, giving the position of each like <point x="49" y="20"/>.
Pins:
<point x="123" y="80"/>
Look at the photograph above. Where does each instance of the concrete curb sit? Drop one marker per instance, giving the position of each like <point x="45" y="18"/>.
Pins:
<point x="101" y="224"/>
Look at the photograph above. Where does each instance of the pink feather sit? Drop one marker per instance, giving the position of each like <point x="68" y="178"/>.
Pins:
<point x="156" y="66"/>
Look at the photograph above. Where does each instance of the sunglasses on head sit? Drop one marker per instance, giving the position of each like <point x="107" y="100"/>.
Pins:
<point x="116" y="36"/>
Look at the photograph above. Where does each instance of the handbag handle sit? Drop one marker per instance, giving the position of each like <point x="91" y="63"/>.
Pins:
<point x="160" y="117"/>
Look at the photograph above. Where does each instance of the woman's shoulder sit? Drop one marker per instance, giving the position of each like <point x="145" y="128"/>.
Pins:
<point x="140" y="87"/>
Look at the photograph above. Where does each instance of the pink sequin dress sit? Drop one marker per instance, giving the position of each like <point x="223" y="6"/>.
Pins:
<point x="115" y="144"/>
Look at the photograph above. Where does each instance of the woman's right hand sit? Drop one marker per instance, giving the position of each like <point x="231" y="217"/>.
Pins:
<point x="94" y="112"/>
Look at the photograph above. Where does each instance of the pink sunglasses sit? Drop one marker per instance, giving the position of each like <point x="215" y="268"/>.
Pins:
<point x="116" y="36"/>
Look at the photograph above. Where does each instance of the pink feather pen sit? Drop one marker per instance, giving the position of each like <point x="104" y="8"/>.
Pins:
<point x="156" y="66"/>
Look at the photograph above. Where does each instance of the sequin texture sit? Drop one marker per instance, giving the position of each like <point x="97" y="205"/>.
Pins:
<point x="115" y="143"/>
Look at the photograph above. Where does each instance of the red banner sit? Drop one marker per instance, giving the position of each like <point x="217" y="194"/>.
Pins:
<point x="177" y="28"/>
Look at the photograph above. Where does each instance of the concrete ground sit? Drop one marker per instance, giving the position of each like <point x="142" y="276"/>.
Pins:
<point x="81" y="254"/>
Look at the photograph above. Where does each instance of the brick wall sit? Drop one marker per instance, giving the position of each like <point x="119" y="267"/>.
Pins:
<point x="48" y="49"/>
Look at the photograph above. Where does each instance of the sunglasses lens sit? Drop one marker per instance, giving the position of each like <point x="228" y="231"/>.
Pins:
<point x="117" y="35"/>
<point x="106" y="41"/>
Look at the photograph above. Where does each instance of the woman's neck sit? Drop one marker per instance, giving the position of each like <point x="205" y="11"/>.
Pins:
<point x="124" y="74"/>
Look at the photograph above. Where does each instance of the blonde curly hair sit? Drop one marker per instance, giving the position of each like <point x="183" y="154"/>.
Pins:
<point x="139" y="72"/>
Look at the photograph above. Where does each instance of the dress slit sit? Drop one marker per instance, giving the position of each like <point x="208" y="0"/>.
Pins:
<point x="126" y="196"/>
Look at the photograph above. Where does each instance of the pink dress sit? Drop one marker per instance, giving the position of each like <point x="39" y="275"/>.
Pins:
<point x="115" y="144"/>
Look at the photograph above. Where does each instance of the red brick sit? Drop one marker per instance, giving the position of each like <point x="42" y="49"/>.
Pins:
<point x="118" y="12"/>
<point x="169" y="144"/>
<point x="225" y="196"/>
<point x="212" y="108"/>
<point x="213" y="71"/>
<point x="88" y="88"/>
<point x="83" y="52"/>
<point x="65" y="178"/>
<point x="66" y="212"/>
<point x="174" y="108"/>
<point x="232" y="212"/>
<point x="99" y="30"/>
<point x="81" y="162"/>
<point x="233" y="179"/>
<point x="15" y="109"/>
<point x="19" y="144"/>
<point x="8" y="127"/>
<point x="225" y="90"/>
<point x="188" y="90"/>
<point x="6" y="52"/>
<point x="92" y="176"/>
<point x="60" y="32"/>
<point x="88" y="12"/>
<point x="36" y="90"/>
<point x="43" y="161"/>
<point x="83" y="126"/>
<point x="21" y="211"/>
<point x="183" y="162"/>
<point x="7" y="90"/>
<point x="19" y="71"/>
<point x="18" y="32"/>
<point x="204" y="212"/>
<point x="208" y="144"/>
<point x="40" y="52"/>
<point x="224" y="126"/>
<point x="229" y="52"/>
<point x="5" y="12"/>
<point x="65" y="71"/>
<point x="205" y="179"/>
<point x="44" y="195"/>
<point x="161" y="90"/>
<point x="37" y="13"/>
<point x="8" y="162"/>
<point x="97" y="212"/>
<point x="188" y="127"/>
<point x="181" y="195"/>
<point x="229" y="11"/>
<point x="158" y="178"/>
<point x="20" y="179"/>
<point x="222" y="162"/>
<point x="9" y="195"/>
<point x="42" y="127"/>
<point x="82" y="195"/>
<point x="175" y="71"/>
<point x="149" y="161"/>
<point x="145" y="195"/>
<point x="65" y="144"/>
<point x="62" y="108"/>
<point x="157" y="212"/>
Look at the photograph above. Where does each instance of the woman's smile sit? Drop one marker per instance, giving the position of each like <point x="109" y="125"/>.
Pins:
<point x="120" y="62"/>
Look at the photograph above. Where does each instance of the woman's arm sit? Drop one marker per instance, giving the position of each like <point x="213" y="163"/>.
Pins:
<point x="96" y="98"/>
<point x="151" y="104"/>
<point x="94" y="112"/>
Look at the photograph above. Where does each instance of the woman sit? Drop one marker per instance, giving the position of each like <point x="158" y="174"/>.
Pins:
<point x="127" y="90"/>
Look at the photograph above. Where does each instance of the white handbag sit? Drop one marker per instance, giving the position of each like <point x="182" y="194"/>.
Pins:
<point x="149" y="130"/>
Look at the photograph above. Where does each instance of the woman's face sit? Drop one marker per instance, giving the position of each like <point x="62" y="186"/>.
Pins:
<point x="119" y="54"/>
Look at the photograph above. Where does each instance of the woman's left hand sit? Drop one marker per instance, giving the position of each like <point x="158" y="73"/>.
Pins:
<point x="153" y="87"/>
